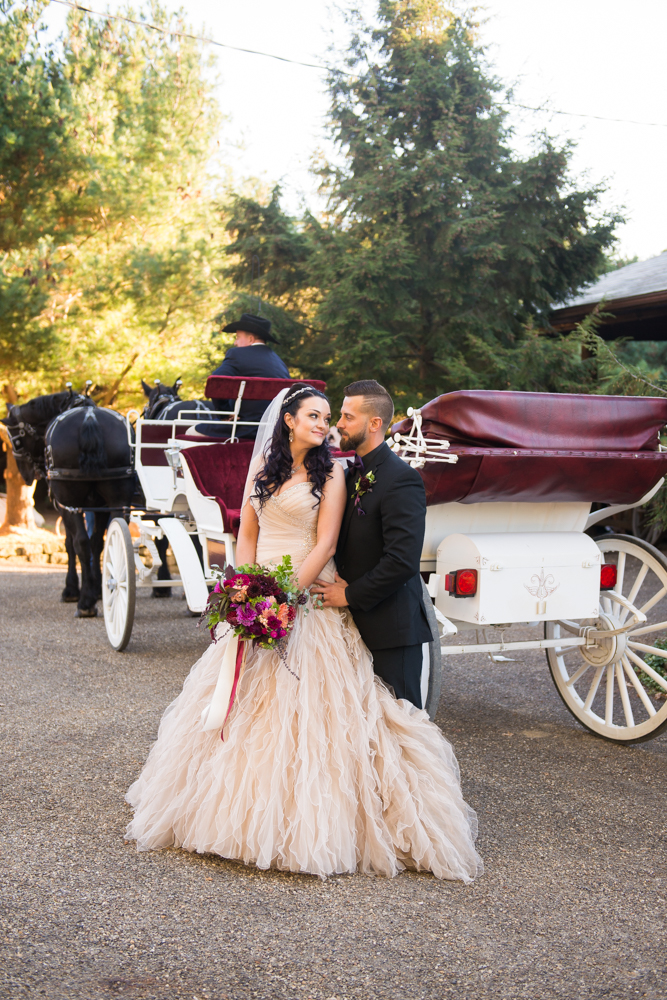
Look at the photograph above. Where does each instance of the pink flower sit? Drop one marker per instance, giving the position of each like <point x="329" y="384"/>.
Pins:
<point x="246" y="615"/>
<point x="241" y="580"/>
<point x="217" y="589"/>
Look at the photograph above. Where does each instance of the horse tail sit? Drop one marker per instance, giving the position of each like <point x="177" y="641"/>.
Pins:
<point x="92" y="450"/>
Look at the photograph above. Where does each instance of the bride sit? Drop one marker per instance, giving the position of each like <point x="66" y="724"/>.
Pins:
<point x="323" y="772"/>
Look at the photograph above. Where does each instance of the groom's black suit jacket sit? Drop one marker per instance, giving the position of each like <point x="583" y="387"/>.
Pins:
<point x="378" y="553"/>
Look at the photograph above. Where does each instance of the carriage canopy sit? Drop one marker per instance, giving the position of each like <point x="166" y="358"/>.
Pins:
<point x="535" y="446"/>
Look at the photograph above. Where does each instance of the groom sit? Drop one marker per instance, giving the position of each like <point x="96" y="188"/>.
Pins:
<point x="380" y="543"/>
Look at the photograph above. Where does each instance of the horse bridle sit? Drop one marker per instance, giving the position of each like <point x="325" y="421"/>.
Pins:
<point x="22" y="428"/>
<point x="149" y="409"/>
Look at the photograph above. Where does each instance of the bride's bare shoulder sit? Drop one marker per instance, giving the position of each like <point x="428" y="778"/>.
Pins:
<point x="335" y="484"/>
<point x="337" y="474"/>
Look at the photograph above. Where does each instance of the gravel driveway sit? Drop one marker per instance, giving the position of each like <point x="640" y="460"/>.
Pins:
<point x="572" y="832"/>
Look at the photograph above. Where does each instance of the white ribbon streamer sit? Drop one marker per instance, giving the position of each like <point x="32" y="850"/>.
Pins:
<point x="214" y="715"/>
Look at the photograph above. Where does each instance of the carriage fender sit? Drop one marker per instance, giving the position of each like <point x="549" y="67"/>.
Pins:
<point x="190" y="568"/>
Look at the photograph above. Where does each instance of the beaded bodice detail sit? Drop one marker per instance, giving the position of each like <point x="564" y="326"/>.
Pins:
<point x="287" y="525"/>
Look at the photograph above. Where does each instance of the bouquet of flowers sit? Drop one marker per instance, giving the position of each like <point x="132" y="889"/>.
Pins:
<point x="258" y="603"/>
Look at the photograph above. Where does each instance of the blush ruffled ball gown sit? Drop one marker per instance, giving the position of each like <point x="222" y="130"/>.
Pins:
<point x="325" y="774"/>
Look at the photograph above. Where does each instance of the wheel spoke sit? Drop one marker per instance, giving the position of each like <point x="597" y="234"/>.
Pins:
<point x="653" y="674"/>
<point x="649" y="628"/>
<point x="577" y="674"/>
<point x="623" y="691"/>
<point x="648" y="649"/>
<point x="620" y="573"/>
<point x="639" y="579"/>
<point x="593" y="689"/>
<point x="654" y="600"/>
<point x="609" y="700"/>
<point x="638" y="686"/>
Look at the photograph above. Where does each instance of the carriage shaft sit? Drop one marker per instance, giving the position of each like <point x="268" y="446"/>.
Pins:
<point x="499" y="647"/>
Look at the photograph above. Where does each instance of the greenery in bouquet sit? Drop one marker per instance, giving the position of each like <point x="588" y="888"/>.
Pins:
<point x="258" y="603"/>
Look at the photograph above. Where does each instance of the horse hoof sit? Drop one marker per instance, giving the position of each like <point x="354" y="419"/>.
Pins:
<point x="66" y="598"/>
<point x="162" y="592"/>
<point x="85" y="613"/>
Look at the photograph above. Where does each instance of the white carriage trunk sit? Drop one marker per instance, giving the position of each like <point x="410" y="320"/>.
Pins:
<point x="522" y="576"/>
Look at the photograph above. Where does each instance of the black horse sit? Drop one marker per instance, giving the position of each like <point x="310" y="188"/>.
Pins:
<point x="86" y="455"/>
<point x="164" y="403"/>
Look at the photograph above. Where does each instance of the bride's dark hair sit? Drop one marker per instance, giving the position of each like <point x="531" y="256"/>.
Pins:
<point x="278" y="467"/>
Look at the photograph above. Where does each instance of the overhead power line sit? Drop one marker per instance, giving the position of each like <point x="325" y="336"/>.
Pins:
<point x="575" y="114"/>
<point x="186" y="34"/>
<point x="323" y="66"/>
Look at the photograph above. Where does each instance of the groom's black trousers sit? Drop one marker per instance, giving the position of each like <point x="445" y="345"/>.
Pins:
<point x="401" y="668"/>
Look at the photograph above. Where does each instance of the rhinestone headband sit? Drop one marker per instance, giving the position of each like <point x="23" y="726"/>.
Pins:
<point x="288" y="399"/>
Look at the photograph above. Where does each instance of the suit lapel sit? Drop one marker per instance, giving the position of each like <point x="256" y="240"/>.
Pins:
<point x="349" y="506"/>
<point x="376" y="461"/>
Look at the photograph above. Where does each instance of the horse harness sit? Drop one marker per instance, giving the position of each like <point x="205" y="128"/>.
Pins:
<point x="76" y="475"/>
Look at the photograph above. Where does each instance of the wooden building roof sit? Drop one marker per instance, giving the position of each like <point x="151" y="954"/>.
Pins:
<point x="635" y="295"/>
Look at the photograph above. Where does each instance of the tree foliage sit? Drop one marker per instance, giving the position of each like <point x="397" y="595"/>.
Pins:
<point x="109" y="219"/>
<point x="439" y="245"/>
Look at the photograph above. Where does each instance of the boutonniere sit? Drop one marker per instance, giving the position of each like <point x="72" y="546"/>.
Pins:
<point x="363" y="485"/>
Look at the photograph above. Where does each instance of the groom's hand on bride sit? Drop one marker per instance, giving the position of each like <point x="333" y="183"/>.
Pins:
<point x="332" y="594"/>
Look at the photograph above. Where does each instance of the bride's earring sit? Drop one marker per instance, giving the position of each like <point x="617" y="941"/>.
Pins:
<point x="291" y="436"/>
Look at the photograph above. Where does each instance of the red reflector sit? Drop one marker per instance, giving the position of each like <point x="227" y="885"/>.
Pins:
<point x="466" y="583"/>
<point x="450" y="583"/>
<point x="608" y="576"/>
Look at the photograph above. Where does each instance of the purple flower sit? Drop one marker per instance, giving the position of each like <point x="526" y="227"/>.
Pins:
<point x="217" y="589"/>
<point x="246" y="615"/>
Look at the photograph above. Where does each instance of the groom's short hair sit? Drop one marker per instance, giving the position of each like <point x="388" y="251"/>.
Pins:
<point x="377" y="400"/>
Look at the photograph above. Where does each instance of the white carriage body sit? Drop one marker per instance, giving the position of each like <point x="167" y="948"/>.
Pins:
<point x="522" y="576"/>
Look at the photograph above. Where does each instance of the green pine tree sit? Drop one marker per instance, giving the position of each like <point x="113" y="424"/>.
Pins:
<point x="439" y="246"/>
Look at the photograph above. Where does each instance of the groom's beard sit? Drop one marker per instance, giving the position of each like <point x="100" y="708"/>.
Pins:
<point x="349" y="442"/>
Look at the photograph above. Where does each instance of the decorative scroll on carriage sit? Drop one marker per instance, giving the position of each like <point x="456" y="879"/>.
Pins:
<point x="510" y="481"/>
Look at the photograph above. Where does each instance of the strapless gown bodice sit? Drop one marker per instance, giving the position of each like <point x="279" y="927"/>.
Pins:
<point x="288" y="524"/>
<point x="321" y="770"/>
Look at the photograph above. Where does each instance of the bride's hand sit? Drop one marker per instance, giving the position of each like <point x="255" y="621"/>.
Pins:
<point x="332" y="594"/>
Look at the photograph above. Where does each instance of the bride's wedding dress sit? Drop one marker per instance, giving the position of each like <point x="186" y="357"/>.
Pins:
<point x="324" y="774"/>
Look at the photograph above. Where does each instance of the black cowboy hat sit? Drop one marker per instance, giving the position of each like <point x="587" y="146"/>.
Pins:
<point x="252" y="324"/>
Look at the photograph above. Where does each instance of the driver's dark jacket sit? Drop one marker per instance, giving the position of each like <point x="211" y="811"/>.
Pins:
<point x="256" y="361"/>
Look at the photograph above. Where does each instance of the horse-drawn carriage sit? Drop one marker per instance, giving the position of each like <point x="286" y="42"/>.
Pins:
<point x="510" y="481"/>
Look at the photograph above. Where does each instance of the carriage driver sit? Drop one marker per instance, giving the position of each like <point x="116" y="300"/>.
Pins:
<point x="251" y="357"/>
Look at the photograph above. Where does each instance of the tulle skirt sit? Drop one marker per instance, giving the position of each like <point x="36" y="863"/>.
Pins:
<point x="327" y="773"/>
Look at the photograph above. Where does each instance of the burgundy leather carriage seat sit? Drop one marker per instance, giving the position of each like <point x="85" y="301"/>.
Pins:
<point x="158" y="434"/>
<point x="219" y="471"/>
<point x="227" y="386"/>
<point x="534" y="446"/>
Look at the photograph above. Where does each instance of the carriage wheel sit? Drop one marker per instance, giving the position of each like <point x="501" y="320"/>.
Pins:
<point x="601" y="686"/>
<point x="119" y="584"/>
<point x="431" y="660"/>
<point x="651" y="533"/>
